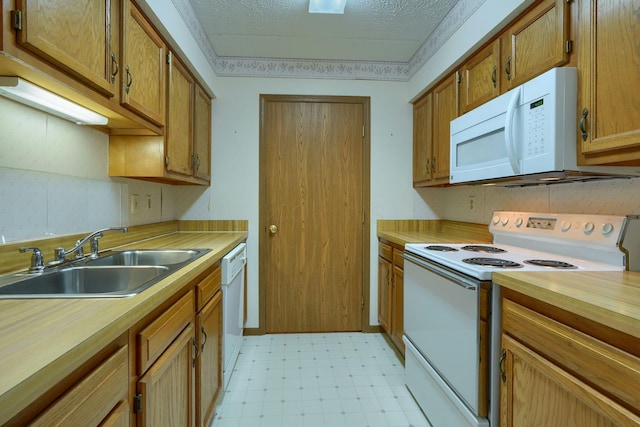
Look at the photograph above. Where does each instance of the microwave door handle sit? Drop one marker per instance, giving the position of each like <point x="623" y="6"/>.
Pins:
<point x="509" y="137"/>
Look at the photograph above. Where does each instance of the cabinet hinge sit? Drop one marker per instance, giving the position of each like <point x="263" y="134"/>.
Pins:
<point x="137" y="403"/>
<point x="16" y="20"/>
<point x="169" y="58"/>
<point x="568" y="46"/>
<point x="362" y="303"/>
<point x="166" y="160"/>
<point x="458" y="77"/>
<point x="362" y="130"/>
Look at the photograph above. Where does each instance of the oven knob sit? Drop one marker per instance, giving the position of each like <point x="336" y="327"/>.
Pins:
<point x="566" y="225"/>
<point x="607" y="228"/>
<point x="505" y="221"/>
<point x="588" y="227"/>
<point x="495" y="220"/>
<point x="519" y="222"/>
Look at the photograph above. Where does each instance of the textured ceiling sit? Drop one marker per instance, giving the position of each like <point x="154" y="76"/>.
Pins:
<point x="369" y="30"/>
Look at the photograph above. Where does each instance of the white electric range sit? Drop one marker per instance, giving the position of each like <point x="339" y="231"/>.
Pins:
<point x="445" y="321"/>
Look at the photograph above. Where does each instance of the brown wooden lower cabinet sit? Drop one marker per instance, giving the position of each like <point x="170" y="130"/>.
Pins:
<point x="94" y="399"/>
<point x="209" y="361"/>
<point x="391" y="292"/>
<point x="553" y="374"/>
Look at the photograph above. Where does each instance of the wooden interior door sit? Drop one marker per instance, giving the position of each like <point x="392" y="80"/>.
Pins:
<point x="312" y="213"/>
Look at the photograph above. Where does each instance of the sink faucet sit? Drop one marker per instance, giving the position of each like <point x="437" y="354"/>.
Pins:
<point x="37" y="260"/>
<point x="61" y="253"/>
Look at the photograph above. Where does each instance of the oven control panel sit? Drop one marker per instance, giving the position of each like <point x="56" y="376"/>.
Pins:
<point x="579" y="227"/>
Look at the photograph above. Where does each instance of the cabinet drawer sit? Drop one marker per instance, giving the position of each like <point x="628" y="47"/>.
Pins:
<point x="156" y="337"/>
<point x="398" y="261"/>
<point x="207" y="288"/>
<point x="385" y="251"/>
<point x="607" y="368"/>
<point x="91" y="400"/>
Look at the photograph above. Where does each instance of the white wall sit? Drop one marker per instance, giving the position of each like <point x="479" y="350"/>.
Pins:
<point x="235" y="180"/>
<point x="54" y="179"/>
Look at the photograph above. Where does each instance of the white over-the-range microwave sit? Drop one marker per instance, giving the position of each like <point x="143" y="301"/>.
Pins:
<point x="525" y="136"/>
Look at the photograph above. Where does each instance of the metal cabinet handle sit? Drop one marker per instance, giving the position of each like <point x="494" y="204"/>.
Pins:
<point x="503" y="374"/>
<point x="493" y="76"/>
<point x="585" y="113"/>
<point x="507" y="68"/>
<point x="129" y="80"/>
<point x="196" y="351"/>
<point x="433" y="165"/>
<point x="204" y="338"/>
<point x="115" y="68"/>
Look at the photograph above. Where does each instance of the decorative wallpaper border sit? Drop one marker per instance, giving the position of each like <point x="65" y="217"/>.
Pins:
<point x="328" y="69"/>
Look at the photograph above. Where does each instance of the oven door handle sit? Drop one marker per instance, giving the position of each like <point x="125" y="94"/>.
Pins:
<point x="440" y="270"/>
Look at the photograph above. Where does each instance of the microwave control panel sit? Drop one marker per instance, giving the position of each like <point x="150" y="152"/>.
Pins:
<point x="535" y="138"/>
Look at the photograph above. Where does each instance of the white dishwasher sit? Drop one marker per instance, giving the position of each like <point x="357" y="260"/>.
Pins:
<point x="232" y="308"/>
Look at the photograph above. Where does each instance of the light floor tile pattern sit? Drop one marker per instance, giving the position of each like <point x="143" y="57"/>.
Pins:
<point x="317" y="380"/>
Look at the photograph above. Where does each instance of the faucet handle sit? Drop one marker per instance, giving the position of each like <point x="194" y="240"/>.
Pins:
<point x="37" y="260"/>
<point x="94" y="245"/>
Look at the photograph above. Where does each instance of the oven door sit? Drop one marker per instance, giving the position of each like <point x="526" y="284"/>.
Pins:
<point x="441" y="324"/>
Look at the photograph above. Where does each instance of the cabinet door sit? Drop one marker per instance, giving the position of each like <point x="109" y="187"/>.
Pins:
<point x="119" y="417"/>
<point x="535" y="392"/>
<point x="179" y="130"/>
<point x="397" y="322"/>
<point x="209" y="362"/>
<point x="609" y="43"/>
<point x="480" y="78"/>
<point x="91" y="400"/>
<point x="78" y="36"/>
<point x="202" y="135"/>
<point x="384" y="294"/>
<point x="445" y="107"/>
<point x="536" y="42"/>
<point x="143" y="59"/>
<point x="166" y="388"/>
<point x="422" y="139"/>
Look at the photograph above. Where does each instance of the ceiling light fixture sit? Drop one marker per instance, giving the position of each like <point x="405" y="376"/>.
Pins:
<point x="327" y="6"/>
<point x="34" y="96"/>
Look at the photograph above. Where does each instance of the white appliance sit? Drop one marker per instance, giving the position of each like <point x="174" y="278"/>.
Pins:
<point x="233" y="308"/>
<point x="527" y="135"/>
<point x="443" y="311"/>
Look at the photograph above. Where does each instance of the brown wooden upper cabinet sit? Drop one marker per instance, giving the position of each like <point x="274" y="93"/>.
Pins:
<point x="480" y="77"/>
<point x="143" y="65"/>
<point x="422" y="140"/>
<point x="536" y="42"/>
<point x="432" y="115"/>
<point x="78" y="36"/>
<point x="608" y="79"/>
<point x="183" y="154"/>
<point x="179" y="132"/>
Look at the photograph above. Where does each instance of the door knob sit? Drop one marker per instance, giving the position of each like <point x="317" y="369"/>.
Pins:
<point x="273" y="229"/>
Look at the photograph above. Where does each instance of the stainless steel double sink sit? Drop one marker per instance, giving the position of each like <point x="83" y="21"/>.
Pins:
<point x="114" y="274"/>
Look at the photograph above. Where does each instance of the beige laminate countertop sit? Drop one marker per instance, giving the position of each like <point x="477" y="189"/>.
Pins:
<point x="42" y="341"/>
<point x="609" y="298"/>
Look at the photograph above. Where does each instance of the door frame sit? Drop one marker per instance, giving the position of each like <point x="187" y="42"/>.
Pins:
<point x="365" y="101"/>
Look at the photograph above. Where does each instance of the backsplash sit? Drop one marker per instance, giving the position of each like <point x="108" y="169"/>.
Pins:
<point x="54" y="180"/>
<point x="476" y="203"/>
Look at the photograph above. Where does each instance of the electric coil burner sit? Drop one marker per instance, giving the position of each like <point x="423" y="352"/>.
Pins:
<point x="492" y="262"/>
<point x="482" y="248"/>
<point x="440" y="248"/>
<point x="550" y="263"/>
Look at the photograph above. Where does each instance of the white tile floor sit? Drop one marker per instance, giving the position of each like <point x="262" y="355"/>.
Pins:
<point x="313" y="380"/>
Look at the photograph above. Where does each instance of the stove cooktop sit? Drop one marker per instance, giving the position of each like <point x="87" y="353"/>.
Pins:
<point x="480" y="261"/>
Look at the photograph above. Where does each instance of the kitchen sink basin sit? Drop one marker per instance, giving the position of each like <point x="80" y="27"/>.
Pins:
<point x="87" y="281"/>
<point x="146" y="257"/>
<point x="115" y="274"/>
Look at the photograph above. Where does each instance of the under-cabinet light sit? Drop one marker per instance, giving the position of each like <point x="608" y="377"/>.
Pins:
<point x="327" y="6"/>
<point x="34" y="96"/>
